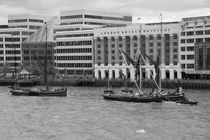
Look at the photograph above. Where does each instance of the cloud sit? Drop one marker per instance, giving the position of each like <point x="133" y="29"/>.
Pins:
<point x="147" y="9"/>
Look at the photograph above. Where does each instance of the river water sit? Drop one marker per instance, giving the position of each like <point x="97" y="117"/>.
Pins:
<point x="85" y="115"/>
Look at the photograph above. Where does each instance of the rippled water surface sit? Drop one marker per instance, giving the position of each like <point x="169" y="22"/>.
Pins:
<point x="85" y="115"/>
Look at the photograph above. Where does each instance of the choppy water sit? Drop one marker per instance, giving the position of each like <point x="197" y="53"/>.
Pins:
<point x="84" y="115"/>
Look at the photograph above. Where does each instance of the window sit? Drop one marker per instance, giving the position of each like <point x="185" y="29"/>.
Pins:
<point x="199" y="32"/>
<point x="190" y="48"/>
<point x="151" y="44"/>
<point x="175" y="50"/>
<point x="150" y="37"/>
<point x="113" y="51"/>
<point x="207" y="32"/>
<point x="99" y="52"/>
<point x="175" y="44"/>
<point x="175" y="56"/>
<point x="182" y="57"/>
<point x="175" y="36"/>
<point x="199" y="40"/>
<point x="183" y="66"/>
<point x="182" y="49"/>
<point x="190" y="57"/>
<point x="190" y="33"/>
<point x="158" y="37"/>
<point x="182" y="33"/>
<point x="182" y="40"/>
<point x="207" y="39"/>
<point x="190" y="66"/>
<point x="151" y="50"/>
<point x="190" y="40"/>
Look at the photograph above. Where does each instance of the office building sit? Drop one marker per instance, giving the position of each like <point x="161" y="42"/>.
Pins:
<point x="152" y="38"/>
<point x="194" y="38"/>
<point x="74" y="38"/>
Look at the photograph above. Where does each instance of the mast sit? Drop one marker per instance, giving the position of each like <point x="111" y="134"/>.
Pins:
<point x="15" y="69"/>
<point x="140" y="70"/>
<point x="161" y="33"/>
<point x="45" y="61"/>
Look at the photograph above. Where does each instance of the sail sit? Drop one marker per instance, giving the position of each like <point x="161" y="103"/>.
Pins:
<point x="155" y="63"/>
<point x="128" y="60"/>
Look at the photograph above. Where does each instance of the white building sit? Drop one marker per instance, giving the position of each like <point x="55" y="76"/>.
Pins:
<point x="152" y="38"/>
<point x="194" y="30"/>
<point x="20" y="27"/>
<point x="74" y="38"/>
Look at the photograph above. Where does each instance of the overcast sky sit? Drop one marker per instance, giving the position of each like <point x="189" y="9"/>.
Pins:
<point x="148" y="10"/>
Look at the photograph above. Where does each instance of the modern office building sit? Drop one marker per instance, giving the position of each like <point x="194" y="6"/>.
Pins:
<point x="152" y="38"/>
<point x="19" y="28"/>
<point x="194" y="38"/>
<point x="74" y="38"/>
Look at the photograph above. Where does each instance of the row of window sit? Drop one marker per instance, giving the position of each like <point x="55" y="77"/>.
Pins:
<point x="127" y="38"/>
<point x="17" y="20"/>
<point x="74" y="58"/>
<point x="124" y="18"/>
<point x="27" y="33"/>
<point x="95" y="23"/>
<point x="77" y="50"/>
<point x="34" y="27"/>
<point x="71" y="16"/>
<point x="13" y="58"/>
<point x="12" y="45"/>
<point x="19" y="26"/>
<point x="190" y="33"/>
<point x="74" y="35"/>
<point x="36" y="20"/>
<point x="139" y="31"/>
<point x="74" y="43"/>
<point x="12" y="39"/>
<point x="189" y="48"/>
<point x="12" y="52"/>
<point x="12" y="33"/>
<point x="197" y="40"/>
<point x="189" y="66"/>
<point x="25" y="20"/>
<point x="75" y="65"/>
<point x="71" y="23"/>
<point x="189" y="57"/>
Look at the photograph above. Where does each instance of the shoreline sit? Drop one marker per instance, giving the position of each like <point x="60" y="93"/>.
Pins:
<point x="187" y="84"/>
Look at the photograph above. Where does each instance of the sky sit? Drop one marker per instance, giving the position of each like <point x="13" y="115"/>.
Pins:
<point x="147" y="10"/>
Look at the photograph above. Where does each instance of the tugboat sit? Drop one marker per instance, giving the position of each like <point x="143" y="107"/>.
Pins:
<point x="62" y="92"/>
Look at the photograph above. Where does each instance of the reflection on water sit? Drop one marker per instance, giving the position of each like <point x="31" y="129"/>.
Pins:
<point x="85" y="115"/>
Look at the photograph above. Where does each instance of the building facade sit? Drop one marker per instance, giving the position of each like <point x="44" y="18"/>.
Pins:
<point x="37" y="47"/>
<point x="154" y="39"/>
<point x="74" y="38"/>
<point x="19" y="28"/>
<point x="195" y="30"/>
